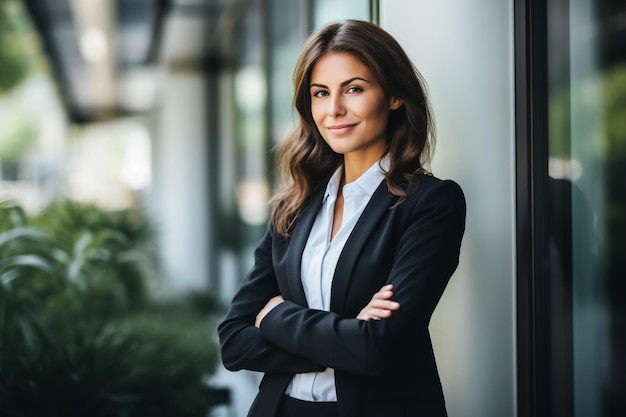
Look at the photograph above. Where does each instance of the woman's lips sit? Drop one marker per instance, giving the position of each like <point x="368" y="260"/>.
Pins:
<point x="341" y="129"/>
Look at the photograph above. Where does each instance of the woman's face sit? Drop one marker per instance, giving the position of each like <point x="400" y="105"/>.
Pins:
<point x="349" y="107"/>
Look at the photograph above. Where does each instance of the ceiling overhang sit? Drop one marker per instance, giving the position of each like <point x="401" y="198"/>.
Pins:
<point x="105" y="54"/>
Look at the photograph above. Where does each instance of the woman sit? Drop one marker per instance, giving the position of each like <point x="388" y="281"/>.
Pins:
<point x="361" y="244"/>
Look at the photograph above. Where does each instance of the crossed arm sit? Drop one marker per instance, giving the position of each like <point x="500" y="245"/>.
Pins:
<point x="289" y="339"/>
<point x="380" y="306"/>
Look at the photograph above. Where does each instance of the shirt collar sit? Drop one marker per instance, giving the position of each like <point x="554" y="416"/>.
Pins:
<point x="367" y="182"/>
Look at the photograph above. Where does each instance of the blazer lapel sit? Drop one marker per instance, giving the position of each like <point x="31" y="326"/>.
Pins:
<point x="378" y="205"/>
<point x="299" y="236"/>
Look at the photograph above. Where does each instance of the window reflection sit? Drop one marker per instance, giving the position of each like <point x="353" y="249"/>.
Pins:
<point x="588" y="198"/>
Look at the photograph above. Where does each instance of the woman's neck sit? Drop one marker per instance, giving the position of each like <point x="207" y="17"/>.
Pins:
<point x="353" y="168"/>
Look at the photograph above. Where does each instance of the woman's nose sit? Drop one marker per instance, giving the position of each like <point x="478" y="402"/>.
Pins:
<point x="336" y="106"/>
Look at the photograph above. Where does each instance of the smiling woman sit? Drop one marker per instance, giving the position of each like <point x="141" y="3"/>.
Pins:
<point x="350" y="110"/>
<point x="360" y="247"/>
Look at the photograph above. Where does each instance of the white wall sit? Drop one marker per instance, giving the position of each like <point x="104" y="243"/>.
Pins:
<point x="464" y="49"/>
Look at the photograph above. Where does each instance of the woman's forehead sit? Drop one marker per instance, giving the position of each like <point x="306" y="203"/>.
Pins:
<point x="339" y="67"/>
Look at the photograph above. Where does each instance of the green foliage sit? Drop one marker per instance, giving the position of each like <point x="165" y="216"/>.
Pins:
<point x="78" y="334"/>
<point x="614" y="108"/>
<point x="147" y="364"/>
<point x="14" y="60"/>
<point x="101" y="254"/>
<point x="76" y="257"/>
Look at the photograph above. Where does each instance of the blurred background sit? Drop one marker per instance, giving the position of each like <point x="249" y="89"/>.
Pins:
<point x="137" y="144"/>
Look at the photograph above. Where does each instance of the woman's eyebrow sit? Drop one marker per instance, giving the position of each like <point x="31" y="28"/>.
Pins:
<point x="343" y="84"/>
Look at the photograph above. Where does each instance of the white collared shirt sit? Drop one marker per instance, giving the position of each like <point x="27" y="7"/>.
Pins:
<point x="320" y="259"/>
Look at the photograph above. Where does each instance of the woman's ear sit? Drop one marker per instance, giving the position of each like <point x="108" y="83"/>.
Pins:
<point x="395" y="103"/>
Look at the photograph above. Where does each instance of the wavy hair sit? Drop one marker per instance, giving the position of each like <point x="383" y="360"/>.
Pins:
<point x="306" y="162"/>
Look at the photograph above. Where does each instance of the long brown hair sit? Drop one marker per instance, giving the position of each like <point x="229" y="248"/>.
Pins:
<point x="306" y="162"/>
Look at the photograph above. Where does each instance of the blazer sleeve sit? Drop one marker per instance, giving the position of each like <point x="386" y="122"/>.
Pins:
<point x="427" y="254"/>
<point x="240" y="344"/>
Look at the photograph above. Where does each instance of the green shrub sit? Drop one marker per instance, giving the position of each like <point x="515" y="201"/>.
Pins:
<point x="79" y="335"/>
<point x="149" y="364"/>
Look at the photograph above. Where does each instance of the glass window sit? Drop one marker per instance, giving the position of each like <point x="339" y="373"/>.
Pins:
<point x="286" y="41"/>
<point x="586" y="205"/>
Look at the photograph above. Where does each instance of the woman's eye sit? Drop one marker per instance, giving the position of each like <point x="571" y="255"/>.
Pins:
<point x="354" y="90"/>
<point x="320" y="93"/>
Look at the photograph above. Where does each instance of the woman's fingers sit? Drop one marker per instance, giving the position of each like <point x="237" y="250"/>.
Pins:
<point x="384" y="304"/>
<point x="380" y="306"/>
<point x="386" y="292"/>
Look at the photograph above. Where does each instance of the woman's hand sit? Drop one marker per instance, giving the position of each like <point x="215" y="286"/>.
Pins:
<point x="273" y="302"/>
<point x="380" y="306"/>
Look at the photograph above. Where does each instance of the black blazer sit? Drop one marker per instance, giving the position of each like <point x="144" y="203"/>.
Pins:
<point x="382" y="367"/>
